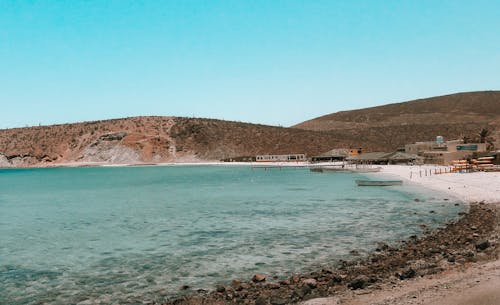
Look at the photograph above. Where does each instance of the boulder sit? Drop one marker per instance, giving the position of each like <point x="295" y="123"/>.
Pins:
<point x="407" y="274"/>
<point x="483" y="245"/>
<point x="4" y="162"/>
<point x="359" y="282"/>
<point x="236" y="284"/>
<point x="312" y="283"/>
<point x="259" y="277"/>
<point x="113" y="136"/>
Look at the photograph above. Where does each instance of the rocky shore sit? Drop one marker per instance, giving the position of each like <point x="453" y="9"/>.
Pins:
<point x="474" y="237"/>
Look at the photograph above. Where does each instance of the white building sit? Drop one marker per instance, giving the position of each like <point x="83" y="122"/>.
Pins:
<point x="281" y="158"/>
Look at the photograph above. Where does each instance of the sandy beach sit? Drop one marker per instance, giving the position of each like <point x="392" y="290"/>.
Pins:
<point x="469" y="187"/>
<point x="472" y="283"/>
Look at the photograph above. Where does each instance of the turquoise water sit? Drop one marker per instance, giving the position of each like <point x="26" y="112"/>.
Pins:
<point x="127" y="234"/>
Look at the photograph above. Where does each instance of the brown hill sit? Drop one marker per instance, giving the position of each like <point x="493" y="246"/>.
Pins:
<point x="174" y="139"/>
<point x="153" y="139"/>
<point x="389" y="126"/>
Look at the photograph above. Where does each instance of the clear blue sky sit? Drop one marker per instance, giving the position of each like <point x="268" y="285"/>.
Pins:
<point x="272" y="62"/>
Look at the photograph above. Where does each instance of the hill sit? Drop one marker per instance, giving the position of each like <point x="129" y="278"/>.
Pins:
<point x="389" y="126"/>
<point x="153" y="139"/>
<point x="175" y="139"/>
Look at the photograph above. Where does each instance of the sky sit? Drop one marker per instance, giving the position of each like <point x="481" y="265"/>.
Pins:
<point x="261" y="61"/>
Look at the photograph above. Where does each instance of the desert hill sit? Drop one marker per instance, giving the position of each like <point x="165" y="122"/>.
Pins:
<point x="389" y="126"/>
<point x="176" y="139"/>
<point x="153" y="139"/>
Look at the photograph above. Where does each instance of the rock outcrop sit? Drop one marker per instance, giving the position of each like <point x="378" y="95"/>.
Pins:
<point x="4" y="162"/>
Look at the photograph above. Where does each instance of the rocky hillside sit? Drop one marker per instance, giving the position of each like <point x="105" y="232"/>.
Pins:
<point x="153" y="139"/>
<point x="389" y="126"/>
<point x="174" y="139"/>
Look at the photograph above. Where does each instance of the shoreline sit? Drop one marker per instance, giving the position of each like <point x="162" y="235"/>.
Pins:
<point x="163" y="164"/>
<point x="412" y="272"/>
<point x="472" y="239"/>
<point x="444" y="259"/>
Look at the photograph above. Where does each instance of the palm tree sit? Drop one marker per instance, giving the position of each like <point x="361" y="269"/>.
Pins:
<point x="483" y="134"/>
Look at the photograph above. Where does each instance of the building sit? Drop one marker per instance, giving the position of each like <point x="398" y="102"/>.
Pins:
<point x="396" y="157"/>
<point x="496" y="140"/>
<point x="399" y="157"/>
<point x="369" y="158"/>
<point x="444" y="152"/>
<point x="338" y="154"/>
<point x="281" y="158"/>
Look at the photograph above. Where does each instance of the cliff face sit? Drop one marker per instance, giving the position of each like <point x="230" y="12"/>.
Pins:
<point x="128" y="140"/>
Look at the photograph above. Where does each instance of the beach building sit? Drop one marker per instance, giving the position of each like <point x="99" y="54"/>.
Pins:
<point x="281" y="158"/>
<point x="419" y="147"/>
<point x="452" y="152"/>
<point x="444" y="152"/>
<point x="369" y="158"/>
<point x="239" y="159"/>
<point x="399" y="157"/>
<point x="396" y="157"/>
<point x="337" y="154"/>
<point x="496" y="139"/>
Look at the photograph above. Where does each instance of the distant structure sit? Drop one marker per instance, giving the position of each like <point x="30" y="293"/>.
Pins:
<point x="444" y="152"/>
<point x="281" y="158"/>
<point x="396" y="157"/>
<point x="338" y="154"/>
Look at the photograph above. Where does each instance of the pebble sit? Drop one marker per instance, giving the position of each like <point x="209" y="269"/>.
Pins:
<point x="312" y="283"/>
<point x="259" y="277"/>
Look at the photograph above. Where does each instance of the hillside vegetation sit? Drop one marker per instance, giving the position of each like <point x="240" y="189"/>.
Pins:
<point x="389" y="126"/>
<point x="153" y="139"/>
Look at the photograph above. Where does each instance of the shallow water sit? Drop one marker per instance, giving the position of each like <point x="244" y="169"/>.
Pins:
<point x="127" y="234"/>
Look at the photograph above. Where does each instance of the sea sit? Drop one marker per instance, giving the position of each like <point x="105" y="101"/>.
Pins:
<point x="124" y="235"/>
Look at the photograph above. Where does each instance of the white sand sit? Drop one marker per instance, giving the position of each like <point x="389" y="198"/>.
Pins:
<point x="477" y="284"/>
<point x="470" y="187"/>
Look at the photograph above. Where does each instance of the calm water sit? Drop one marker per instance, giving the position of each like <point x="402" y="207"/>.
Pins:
<point x="127" y="234"/>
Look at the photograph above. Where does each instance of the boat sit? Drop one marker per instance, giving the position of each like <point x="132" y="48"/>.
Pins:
<point x="378" y="182"/>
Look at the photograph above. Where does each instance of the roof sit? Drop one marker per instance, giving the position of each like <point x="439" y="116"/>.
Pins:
<point x="383" y="156"/>
<point x="370" y="156"/>
<point x="398" y="155"/>
<point x="338" y="152"/>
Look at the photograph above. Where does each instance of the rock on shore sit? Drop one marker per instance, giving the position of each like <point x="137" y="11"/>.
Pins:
<point x="471" y="238"/>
